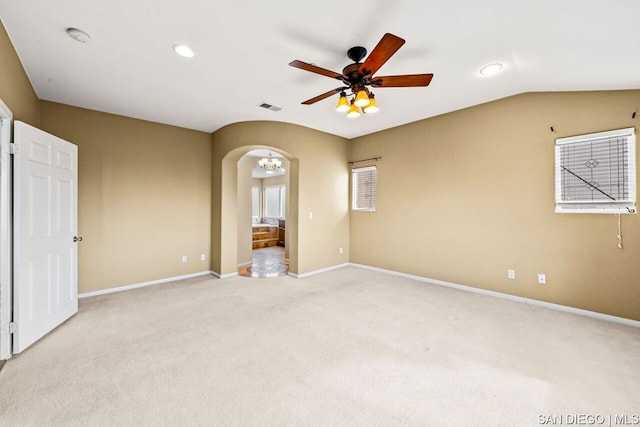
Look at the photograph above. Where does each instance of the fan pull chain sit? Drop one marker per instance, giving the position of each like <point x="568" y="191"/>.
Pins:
<point x="619" y="231"/>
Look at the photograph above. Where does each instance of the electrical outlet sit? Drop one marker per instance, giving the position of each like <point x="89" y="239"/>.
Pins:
<point x="310" y="215"/>
<point x="184" y="259"/>
<point x="203" y="257"/>
<point x="542" y="279"/>
<point x="341" y="250"/>
<point x="511" y="274"/>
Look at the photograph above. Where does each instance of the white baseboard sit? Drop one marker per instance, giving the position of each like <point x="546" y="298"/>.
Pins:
<point x="509" y="297"/>
<point x="313" y="273"/>
<point x="224" y="276"/>
<point x="143" y="284"/>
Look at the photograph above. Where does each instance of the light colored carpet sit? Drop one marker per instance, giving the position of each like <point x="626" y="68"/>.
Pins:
<point x="349" y="347"/>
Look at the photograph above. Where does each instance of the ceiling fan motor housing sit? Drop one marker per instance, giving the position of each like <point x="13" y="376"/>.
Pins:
<point x="353" y="74"/>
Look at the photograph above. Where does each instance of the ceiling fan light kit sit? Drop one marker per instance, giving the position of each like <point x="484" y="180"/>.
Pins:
<point x="362" y="100"/>
<point x="359" y="75"/>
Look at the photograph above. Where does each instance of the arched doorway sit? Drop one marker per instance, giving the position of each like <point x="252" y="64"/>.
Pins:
<point x="263" y="182"/>
<point x="230" y="229"/>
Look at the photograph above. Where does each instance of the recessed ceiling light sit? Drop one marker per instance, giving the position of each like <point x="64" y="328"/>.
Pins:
<point x="490" y="69"/>
<point x="78" y="35"/>
<point x="184" y="50"/>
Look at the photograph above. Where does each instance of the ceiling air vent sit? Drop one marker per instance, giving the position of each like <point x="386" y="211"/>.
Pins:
<point x="269" y="106"/>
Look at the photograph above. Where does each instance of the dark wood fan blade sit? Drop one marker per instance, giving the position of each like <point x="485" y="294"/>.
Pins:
<point x="385" y="48"/>
<point x="407" y="80"/>
<point x="316" y="69"/>
<point x="323" y="96"/>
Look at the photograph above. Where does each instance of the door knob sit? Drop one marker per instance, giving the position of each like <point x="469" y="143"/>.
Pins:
<point x="77" y="239"/>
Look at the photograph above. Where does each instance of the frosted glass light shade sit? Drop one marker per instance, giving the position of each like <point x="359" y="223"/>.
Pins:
<point x="372" y="107"/>
<point x="343" y="104"/>
<point x="353" y="111"/>
<point x="361" y="99"/>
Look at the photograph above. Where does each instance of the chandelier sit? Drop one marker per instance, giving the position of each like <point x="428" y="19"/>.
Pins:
<point x="270" y="165"/>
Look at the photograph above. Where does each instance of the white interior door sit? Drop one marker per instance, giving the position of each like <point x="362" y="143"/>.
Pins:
<point x="6" y="250"/>
<point x="45" y="226"/>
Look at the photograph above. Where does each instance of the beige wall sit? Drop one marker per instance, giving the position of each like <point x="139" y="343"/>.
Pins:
<point x="245" y="181"/>
<point x="314" y="243"/>
<point x="15" y="88"/>
<point x="276" y="180"/>
<point x="144" y="196"/>
<point x="465" y="196"/>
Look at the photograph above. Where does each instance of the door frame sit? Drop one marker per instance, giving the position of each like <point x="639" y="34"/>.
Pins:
<point x="6" y="247"/>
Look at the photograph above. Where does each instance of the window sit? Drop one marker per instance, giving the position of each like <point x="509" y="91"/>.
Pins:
<point x="596" y="173"/>
<point x="274" y="201"/>
<point x="364" y="181"/>
<point x="255" y="203"/>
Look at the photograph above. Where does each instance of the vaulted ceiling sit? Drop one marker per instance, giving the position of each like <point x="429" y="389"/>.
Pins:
<point x="243" y="49"/>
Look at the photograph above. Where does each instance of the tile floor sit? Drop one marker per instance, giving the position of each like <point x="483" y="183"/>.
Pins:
<point x="267" y="262"/>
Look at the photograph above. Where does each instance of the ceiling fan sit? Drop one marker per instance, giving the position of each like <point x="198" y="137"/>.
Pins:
<point x="358" y="77"/>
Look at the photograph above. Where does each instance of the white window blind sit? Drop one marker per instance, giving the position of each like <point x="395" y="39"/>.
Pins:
<point x="596" y="173"/>
<point x="364" y="192"/>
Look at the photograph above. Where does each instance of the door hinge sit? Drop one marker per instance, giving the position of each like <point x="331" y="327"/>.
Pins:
<point x="13" y="328"/>
<point x="14" y="148"/>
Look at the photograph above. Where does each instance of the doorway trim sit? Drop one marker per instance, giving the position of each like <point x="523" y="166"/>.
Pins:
<point x="6" y="250"/>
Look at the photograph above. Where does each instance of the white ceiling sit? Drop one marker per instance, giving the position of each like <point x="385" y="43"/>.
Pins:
<point x="243" y="48"/>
